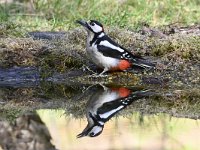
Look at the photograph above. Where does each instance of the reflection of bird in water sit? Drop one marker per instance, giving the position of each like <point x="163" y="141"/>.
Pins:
<point x="104" y="104"/>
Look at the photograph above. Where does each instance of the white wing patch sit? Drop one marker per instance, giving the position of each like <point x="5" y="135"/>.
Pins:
<point x="125" y="54"/>
<point x="107" y="44"/>
<point x="109" y="113"/>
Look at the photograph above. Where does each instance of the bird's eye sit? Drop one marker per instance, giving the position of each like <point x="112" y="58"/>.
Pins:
<point x="92" y="23"/>
<point x="92" y="134"/>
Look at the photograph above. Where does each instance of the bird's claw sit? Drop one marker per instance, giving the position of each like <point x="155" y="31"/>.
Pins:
<point x="97" y="75"/>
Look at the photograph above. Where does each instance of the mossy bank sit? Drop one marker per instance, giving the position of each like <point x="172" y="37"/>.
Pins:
<point x="60" y="58"/>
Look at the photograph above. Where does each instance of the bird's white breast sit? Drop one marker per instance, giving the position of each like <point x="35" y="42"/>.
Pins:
<point x="99" y="59"/>
<point x="105" y="97"/>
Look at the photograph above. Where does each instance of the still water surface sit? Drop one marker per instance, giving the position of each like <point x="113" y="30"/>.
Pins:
<point x="155" y="132"/>
<point x="86" y="117"/>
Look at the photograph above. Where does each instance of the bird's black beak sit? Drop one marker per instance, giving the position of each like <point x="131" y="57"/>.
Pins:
<point x="82" y="22"/>
<point x="85" y="132"/>
<point x="81" y="135"/>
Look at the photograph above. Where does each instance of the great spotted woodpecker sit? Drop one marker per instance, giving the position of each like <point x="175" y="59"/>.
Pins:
<point x="105" y="103"/>
<point x="106" y="53"/>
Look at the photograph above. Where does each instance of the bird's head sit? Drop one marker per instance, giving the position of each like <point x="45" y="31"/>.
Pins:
<point x="91" y="131"/>
<point x="91" y="26"/>
<point x="93" y="128"/>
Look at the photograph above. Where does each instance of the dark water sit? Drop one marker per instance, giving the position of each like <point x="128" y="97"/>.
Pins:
<point x="36" y="114"/>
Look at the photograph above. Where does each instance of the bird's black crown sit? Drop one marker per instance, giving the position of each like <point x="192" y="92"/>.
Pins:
<point x="96" y="22"/>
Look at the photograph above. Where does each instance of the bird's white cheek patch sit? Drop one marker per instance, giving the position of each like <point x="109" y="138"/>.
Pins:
<point x="96" y="129"/>
<point x="96" y="28"/>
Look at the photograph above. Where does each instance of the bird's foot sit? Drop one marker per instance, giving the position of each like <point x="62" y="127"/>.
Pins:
<point x="88" y="69"/>
<point x="102" y="75"/>
<point x="93" y="75"/>
<point x="98" y="75"/>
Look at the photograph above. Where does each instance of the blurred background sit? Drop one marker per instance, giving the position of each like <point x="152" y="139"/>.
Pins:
<point x="60" y="14"/>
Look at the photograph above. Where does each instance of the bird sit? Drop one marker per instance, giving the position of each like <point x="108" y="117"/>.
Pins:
<point x="105" y="102"/>
<point x="108" y="54"/>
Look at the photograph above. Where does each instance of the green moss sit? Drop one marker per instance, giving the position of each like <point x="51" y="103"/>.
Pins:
<point x="11" y="29"/>
<point x="10" y="114"/>
<point x="68" y="51"/>
<point x="19" y="51"/>
<point x="184" y="46"/>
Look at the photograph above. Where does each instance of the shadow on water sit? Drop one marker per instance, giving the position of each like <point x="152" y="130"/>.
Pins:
<point x="39" y="114"/>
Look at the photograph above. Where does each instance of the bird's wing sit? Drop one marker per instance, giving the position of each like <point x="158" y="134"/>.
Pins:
<point x="109" y="48"/>
<point x="109" y="52"/>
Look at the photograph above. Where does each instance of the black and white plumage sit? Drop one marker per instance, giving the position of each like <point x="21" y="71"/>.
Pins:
<point x="108" y="54"/>
<point x="104" y="104"/>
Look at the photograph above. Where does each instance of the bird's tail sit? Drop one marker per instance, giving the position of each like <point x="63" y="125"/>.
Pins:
<point x="143" y="64"/>
<point x="143" y="93"/>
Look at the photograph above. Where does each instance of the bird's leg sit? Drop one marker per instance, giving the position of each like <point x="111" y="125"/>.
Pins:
<point x="86" y="67"/>
<point x="104" y="87"/>
<point x="93" y="75"/>
<point x="104" y="70"/>
<point x="101" y="74"/>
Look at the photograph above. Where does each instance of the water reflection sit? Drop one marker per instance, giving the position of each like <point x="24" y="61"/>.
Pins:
<point x="68" y="104"/>
<point x="105" y="103"/>
<point x="157" y="132"/>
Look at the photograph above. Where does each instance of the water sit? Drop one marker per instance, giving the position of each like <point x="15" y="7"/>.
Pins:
<point x="154" y="132"/>
<point x="36" y="114"/>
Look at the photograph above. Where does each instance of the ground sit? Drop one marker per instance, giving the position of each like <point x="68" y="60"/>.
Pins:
<point x="46" y="38"/>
